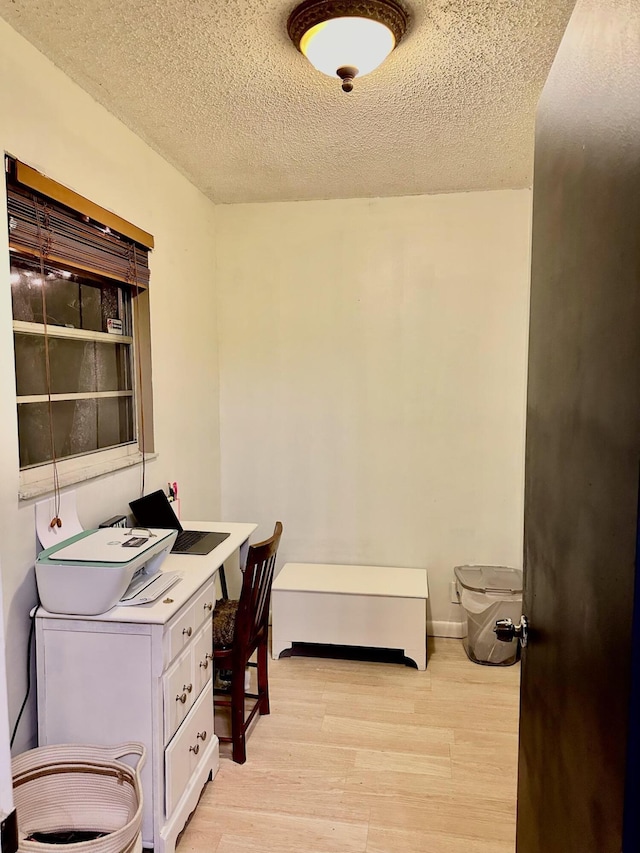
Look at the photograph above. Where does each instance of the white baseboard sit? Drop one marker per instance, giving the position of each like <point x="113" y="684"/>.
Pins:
<point x="454" y="630"/>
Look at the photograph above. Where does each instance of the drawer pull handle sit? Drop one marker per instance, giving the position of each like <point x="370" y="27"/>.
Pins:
<point x="187" y="687"/>
<point x="202" y="735"/>
<point x="181" y="698"/>
<point x="208" y="656"/>
<point x="208" y="606"/>
<point x="195" y="749"/>
<point x="188" y="631"/>
<point x="204" y="663"/>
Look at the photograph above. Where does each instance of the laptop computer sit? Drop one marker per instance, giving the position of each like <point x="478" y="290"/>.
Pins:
<point x="154" y="510"/>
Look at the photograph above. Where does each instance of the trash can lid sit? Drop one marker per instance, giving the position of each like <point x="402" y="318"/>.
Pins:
<point x="490" y="578"/>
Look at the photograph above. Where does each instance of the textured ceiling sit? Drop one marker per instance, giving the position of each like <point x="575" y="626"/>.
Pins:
<point x="217" y="88"/>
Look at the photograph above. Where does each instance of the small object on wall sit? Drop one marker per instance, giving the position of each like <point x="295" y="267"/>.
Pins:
<point x="173" y="498"/>
<point x="49" y="511"/>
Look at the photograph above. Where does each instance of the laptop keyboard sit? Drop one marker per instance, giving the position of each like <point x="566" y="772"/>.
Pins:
<point x="187" y="538"/>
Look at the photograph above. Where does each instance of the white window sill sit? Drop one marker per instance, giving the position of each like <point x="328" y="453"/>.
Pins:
<point x="36" y="488"/>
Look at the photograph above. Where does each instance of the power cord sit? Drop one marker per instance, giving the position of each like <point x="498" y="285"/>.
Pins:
<point x="32" y="614"/>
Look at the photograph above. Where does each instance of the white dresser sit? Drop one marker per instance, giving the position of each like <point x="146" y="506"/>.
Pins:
<point x="143" y="673"/>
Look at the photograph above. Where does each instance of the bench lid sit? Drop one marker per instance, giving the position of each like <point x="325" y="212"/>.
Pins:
<point x="388" y="581"/>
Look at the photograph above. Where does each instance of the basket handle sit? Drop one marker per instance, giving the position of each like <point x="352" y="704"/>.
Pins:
<point x="129" y="748"/>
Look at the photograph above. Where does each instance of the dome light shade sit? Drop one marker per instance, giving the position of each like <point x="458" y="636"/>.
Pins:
<point x="345" y="38"/>
<point x="358" y="42"/>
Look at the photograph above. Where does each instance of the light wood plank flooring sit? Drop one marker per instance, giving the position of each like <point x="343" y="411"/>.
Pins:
<point x="371" y="758"/>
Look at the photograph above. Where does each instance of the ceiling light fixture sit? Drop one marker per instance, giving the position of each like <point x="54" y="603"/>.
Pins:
<point x="346" y="38"/>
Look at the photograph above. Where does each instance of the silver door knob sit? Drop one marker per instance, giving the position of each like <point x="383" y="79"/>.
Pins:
<point x="506" y="631"/>
<point x="204" y="663"/>
<point x="188" y="631"/>
<point x="202" y="735"/>
<point x="181" y="697"/>
<point x="195" y="749"/>
<point x="187" y="687"/>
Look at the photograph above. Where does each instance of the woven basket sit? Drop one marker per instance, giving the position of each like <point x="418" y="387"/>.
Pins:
<point x="75" y="787"/>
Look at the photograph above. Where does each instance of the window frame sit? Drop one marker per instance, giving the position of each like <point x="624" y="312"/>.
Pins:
<point x="36" y="480"/>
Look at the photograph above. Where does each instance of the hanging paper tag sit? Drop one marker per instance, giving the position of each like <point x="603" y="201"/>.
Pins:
<point x="114" y="327"/>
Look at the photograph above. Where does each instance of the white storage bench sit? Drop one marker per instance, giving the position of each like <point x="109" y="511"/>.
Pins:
<point x="379" y="606"/>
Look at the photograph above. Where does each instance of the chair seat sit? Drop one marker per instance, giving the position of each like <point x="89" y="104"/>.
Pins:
<point x="224" y="621"/>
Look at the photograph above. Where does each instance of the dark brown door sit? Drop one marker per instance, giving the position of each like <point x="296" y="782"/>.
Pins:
<point x="583" y="443"/>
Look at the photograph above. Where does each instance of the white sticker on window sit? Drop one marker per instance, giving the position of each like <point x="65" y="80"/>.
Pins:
<point x="114" y="327"/>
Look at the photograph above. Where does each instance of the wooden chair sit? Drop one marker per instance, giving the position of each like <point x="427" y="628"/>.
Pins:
<point x="250" y="635"/>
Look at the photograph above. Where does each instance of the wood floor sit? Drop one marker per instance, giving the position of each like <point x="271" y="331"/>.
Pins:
<point x="371" y="758"/>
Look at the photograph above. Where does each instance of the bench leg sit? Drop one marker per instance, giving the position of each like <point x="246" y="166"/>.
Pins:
<point x="419" y="655"/>
<point x="279" y="645"/>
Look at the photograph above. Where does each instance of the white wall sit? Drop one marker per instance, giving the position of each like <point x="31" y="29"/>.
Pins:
<point x="48" y="122"/>
<point x="373" y="366"/>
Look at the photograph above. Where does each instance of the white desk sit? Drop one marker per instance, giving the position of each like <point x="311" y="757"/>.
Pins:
<point x="378" y="606"/>
<point x="144" y="674"/>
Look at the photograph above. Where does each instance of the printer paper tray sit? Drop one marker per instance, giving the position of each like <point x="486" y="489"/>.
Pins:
<point x="153" y="588"/>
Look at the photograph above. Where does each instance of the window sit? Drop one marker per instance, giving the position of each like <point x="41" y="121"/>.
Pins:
<point x="81" y="334"/>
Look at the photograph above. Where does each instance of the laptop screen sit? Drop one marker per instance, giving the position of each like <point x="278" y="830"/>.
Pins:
<point x="154" y="510"/>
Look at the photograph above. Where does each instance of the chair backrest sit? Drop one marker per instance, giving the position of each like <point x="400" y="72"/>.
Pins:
<point x="252" y="617"/>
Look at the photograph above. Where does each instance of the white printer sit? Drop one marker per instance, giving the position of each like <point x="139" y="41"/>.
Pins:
<point x="94" y="570"/>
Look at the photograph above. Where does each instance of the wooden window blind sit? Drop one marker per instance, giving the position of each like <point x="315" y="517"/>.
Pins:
<point x="84" y="236"/>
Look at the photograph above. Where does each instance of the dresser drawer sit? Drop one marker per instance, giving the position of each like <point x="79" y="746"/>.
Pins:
<point x="182" y="628"/>
<point x="202" y="661"/>
<point x="179" y="692"/>
<point x="204" y="603"/>
<point x="182" y="755"/>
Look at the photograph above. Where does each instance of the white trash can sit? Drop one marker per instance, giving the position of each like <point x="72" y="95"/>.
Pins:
<point x="489" y="593"/>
